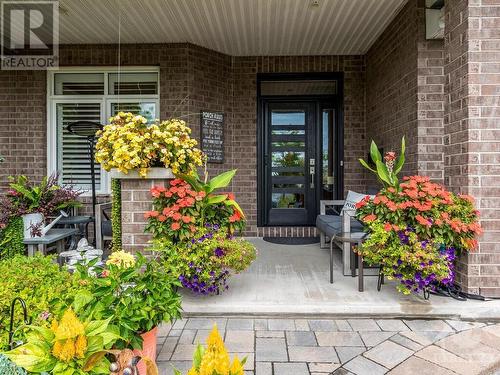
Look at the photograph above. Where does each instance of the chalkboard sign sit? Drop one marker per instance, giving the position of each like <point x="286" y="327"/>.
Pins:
<point x="212" y="136"/>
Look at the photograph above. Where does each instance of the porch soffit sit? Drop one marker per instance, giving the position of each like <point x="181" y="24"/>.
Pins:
<point x="233" y="27"/>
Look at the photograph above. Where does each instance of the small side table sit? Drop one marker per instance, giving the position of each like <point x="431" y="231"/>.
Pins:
<point x="353" y="238"/>
<point x="57" y="236"/>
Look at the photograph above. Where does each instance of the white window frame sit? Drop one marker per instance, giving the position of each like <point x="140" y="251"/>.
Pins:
<point x="104" y="100"/>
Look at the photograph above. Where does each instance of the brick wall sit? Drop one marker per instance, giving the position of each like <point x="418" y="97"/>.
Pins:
<point x="430" y="101"/>
<point x="405" y="92"/>
<point x="391" y="87"/>
<point x="472" y="151"/>
<point x="22" y="124"/>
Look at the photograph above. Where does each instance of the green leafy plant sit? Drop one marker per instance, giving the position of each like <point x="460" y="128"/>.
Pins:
<point x="388" y="168"/>
<point x="46" y="288"/>
<point x="136" y="295"/>
<point x="66" y="347"/>
<point x="116" y="214"/>
<point x="11" y="238"/>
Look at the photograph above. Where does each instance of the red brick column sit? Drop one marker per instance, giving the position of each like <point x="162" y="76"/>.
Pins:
<point x="136" y="200"/>
<point x="472" y="133"/>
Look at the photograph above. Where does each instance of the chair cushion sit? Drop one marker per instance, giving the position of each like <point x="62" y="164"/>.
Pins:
<point x="331" y="225"/>
<point x="106" y="228"/>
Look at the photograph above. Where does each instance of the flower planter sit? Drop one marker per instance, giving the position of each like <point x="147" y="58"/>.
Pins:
<point x="155" y="173"/>
<point x="31" y="220"/>
<point x="148" y="349"/>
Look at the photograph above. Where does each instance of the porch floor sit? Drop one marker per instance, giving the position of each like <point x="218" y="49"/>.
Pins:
<point x="289" y="280"/>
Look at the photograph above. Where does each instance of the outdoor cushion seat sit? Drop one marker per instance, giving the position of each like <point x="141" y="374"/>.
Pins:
<point x="331" y="225"/>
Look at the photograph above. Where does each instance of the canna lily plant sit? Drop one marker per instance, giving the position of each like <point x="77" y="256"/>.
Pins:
<point x="214" y="359"/>
<point x="66" y="347"/>
<point x="388" y="168"/>
<point x="208" y="187"/>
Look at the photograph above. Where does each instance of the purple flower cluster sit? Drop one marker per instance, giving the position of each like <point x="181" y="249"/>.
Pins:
<point x="450" y="254"/>
<point x="419" y="282"/>
<point x="196" y="285"/>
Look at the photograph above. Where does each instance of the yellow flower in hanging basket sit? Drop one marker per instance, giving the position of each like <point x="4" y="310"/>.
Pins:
<point x="130" y="143"/>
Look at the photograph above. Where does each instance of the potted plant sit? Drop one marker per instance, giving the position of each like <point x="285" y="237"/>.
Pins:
<point x="193" y="228"/>
<point x="35" y="202"/>
<point x="135" y="294"/>
<point x="66" y="347"/>
<point x="417" y="227"/>
<point x="129" y="143"/>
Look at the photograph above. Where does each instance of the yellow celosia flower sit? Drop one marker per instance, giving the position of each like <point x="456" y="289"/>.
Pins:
<point x="69" y="327"/>
<point x="64" y="350"/>
<point x="216" y="358"/>
<point x="121" y="259"/>
<point x="192" y="371"/>
<point x="80" y="346"/>
<point x="236" y="367"/>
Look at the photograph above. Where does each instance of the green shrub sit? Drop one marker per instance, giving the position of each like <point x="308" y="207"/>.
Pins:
<point x="11" y="238"/>
<point x="46" y="288"/>
<point x="116" y="214"/>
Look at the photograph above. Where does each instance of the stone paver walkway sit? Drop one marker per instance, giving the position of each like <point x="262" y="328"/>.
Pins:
<point x="340" y="347"/>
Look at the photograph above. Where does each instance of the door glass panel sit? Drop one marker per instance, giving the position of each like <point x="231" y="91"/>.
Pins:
<point x="303" y="87"/>
<point x="328" y="154"/>
<point x="288" y="118"/>
<point x="288" y="155"/>
<point x="287" y="200"/>
<point x="288" y="159"/>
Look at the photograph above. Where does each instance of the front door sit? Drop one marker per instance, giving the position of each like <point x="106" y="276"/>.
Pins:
<point x="299" y="160"/>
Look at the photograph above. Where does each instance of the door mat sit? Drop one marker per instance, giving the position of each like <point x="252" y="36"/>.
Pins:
<point x="292" y="240"/>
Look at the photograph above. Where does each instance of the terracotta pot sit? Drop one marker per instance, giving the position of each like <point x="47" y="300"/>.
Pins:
<point x="148" y="349"/>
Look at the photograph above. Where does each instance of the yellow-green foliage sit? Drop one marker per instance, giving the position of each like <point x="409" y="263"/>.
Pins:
<point x="116" y="214"/>
<point x="11" y="238"/>
<point x="41" y="283"/>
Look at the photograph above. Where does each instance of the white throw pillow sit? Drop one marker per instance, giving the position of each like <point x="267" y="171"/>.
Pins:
<point x="351" y="200"/>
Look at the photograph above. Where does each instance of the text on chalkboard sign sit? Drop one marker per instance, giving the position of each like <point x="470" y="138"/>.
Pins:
<point x="212" y="136"/>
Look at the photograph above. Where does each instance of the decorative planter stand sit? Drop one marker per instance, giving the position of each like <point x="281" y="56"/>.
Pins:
<point x="135" y="201"/>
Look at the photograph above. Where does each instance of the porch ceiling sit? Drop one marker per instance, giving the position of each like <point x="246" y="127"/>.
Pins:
<point x="234" y="27"/>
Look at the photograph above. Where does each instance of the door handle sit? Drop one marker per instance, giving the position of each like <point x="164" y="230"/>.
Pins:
<point x="312" y="173"/>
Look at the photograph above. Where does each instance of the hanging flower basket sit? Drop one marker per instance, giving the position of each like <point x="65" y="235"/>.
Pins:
<point x="155" y="173"/>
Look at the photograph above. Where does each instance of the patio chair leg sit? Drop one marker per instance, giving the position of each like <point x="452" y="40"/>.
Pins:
<point x="322" y="241"/>
<point x="331" y="262"/>
<point x="380" y="280"/>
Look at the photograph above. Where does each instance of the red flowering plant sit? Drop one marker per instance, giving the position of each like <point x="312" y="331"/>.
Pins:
<point x="188" y="204"/>
<point x="416" y="229"/>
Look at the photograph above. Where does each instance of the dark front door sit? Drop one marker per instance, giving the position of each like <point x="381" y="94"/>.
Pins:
<point x="298" y="160"/>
